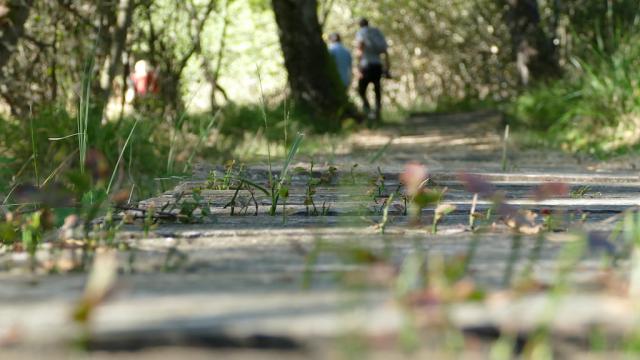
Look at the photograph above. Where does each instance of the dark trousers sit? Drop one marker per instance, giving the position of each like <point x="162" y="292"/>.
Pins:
<point x="371" y="74"/>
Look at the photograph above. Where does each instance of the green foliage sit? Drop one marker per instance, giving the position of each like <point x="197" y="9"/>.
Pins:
<point x="595" y="108"/>
<point x="238" y="120"/>
<point x="439" y="49"/>
<point x="602" y="24"/>
<point x="142" y="159"/>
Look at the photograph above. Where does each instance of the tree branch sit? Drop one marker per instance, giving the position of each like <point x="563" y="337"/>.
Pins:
<point x="196" y="41"/>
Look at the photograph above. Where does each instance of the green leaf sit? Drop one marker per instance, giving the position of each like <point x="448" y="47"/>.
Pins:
<point x="292" y="153"/>
<point x="8" y="233"/>
<point x="427" y="198"/>
<point x="60" y="214"/>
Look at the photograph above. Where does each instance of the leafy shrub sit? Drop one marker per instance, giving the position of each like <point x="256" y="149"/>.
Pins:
<point x="595" y="108"/>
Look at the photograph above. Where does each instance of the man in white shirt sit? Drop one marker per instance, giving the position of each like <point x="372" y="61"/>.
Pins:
<point x="371" y="45"/>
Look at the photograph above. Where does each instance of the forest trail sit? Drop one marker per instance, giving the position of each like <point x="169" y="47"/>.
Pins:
<point x="244" y="284"/>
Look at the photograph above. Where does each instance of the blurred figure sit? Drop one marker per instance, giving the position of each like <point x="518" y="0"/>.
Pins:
<point x="342" y="57"/>
<point x="143" y="80"/>
<point x="371" y="45"/>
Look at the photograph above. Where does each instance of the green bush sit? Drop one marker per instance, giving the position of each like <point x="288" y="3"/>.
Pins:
<point x="56" y="147"/>
<point x="595" y="108"/>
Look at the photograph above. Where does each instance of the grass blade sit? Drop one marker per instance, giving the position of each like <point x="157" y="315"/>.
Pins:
<point x="292" y="153"/>
<point x="115" y="168"/>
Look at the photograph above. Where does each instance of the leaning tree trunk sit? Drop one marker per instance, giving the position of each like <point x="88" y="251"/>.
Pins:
<point x="313" y="77"/>
<point x="533" y="49"/>
<point x="13" y="15"/>
<point x="123" y="17"/>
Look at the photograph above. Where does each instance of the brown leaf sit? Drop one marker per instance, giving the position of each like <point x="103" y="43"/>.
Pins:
<point x="474" y="183"/>
<point x="443" y="210"/>
<point x="121" y="197"/>
<point x="550" y="190"/>
<point x="413" y="177"/>
<point x="523" y="222"/>
<point x="54" y="195"/>
<point x="97" y="163"/>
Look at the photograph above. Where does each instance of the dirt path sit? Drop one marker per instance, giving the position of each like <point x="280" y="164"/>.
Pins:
<point x="245" y="285"/>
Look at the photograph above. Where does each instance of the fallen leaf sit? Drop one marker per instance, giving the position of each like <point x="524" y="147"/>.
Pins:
<point x="475" y="184"/>
<point x="550" y="190"/>
<point x="413" y="177"/>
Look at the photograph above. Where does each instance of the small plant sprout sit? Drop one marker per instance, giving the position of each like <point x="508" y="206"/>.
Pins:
<point x="521" y="221"/>
<point x="328" y="177"/>
<point x="148" y="220"/>
<point x="278" y="182"/>
<point x="352" y="172"/>
<point x="310" y="191"/>
<point x="505" y="148"/>
<point x="283" y="193"/>
<point x="385" y="214"/>
<point x="414" y="178"/>
<point x="580" y="192"/>
<point x="32" y="231"/>
<point x="546" y="191"/>
<point x="441" y="211"/>
<point x="378" y="183"/>
<point x="228" y="174"/>
<point x="472" y="212"/>
<point x="232" y="203"/>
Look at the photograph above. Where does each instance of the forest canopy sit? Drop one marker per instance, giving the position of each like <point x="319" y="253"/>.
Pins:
<point x="208" y="52"/>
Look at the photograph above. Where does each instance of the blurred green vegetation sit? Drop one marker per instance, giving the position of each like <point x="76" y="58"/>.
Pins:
<point x="594" y="107"/>
<point x="223" y="57"/>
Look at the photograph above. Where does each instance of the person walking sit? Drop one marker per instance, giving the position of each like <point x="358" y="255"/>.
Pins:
<point x="371" y="45"/>
<point x="342" y="57"/>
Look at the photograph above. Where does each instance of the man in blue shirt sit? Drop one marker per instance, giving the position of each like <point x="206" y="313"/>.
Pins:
<point x="342" y="57"/>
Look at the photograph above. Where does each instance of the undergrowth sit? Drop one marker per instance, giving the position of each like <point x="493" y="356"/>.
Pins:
<point x="594" y="108"/>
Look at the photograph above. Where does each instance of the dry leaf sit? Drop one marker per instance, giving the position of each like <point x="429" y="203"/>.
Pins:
<point x="413" y="177"/>
<point x="550" y="190"/>
<point x="477" y="185"/>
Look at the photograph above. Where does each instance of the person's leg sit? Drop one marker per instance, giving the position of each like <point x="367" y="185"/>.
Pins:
<point x="363" y="83"/>
<point x="377" y="84"/>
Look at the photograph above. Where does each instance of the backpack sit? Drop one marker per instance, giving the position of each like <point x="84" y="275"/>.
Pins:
<point x="374" y="40"/>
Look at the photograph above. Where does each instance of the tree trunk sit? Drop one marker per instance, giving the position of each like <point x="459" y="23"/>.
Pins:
<point x="313" y="77"/>
<point x="124" y="14"/>
<point x="533" y="49"/>
<point x="13" y="15"/>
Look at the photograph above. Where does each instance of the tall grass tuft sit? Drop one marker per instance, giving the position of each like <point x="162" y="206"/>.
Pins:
<point x="83" y="113"/>
<point x="124" y="147"/>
